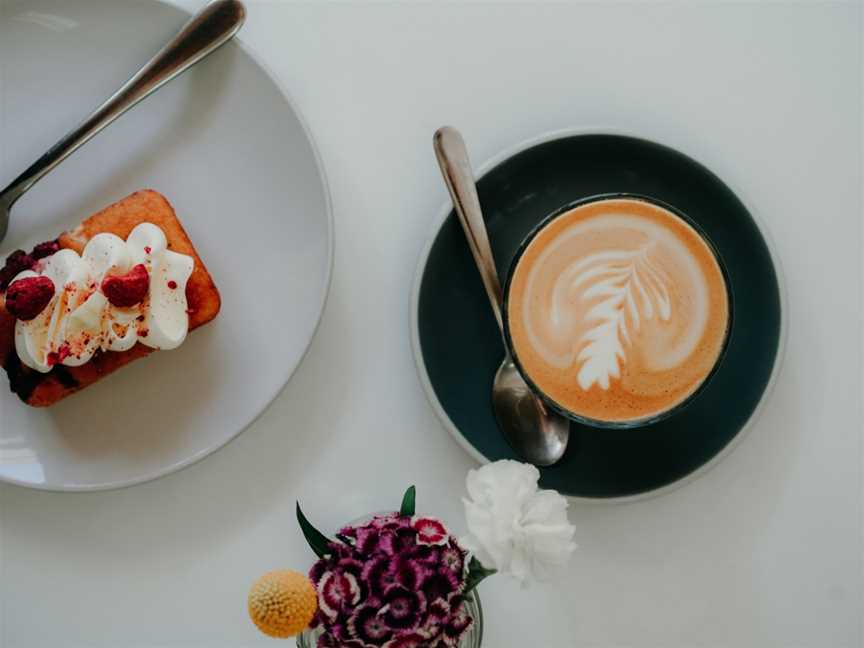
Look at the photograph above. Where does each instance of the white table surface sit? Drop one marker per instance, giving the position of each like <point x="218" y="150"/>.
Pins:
<point x="763" y="551"/>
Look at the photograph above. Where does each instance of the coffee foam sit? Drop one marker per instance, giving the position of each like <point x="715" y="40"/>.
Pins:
<point x="618" y="310"/>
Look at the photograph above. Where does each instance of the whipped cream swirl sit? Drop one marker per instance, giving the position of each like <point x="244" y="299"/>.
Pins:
<point x="79" y="320"/>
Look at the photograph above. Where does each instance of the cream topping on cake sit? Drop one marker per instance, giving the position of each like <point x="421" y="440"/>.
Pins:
<point x="81" y="319"/>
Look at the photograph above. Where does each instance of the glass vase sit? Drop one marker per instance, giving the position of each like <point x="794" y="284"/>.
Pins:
<point x="472" y="639"/>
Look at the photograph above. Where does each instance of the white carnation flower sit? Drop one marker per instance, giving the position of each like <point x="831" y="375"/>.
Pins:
<point x="514" y="526"/>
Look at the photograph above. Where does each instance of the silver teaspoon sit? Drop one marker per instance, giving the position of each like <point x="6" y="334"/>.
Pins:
<point x="536" y="433"/>
<point x="211" y="27"/>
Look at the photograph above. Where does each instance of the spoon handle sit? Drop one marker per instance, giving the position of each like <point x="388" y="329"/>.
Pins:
<point x="211" y="27"/>
<point x="456" y="169"/>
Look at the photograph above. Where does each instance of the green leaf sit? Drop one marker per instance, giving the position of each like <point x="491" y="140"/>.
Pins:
<point x="476" y="573"/>
<point x="408" y="501"/>
<point x="318" y="542"/>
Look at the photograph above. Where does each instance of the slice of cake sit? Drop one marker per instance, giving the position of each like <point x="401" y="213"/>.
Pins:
<point x="124" y="283"/>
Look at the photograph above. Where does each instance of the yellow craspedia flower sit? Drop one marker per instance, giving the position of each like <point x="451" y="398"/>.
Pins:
<point x="282" y="603"/>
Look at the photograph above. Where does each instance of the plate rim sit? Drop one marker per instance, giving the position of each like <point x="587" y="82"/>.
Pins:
<point x="544" y="138"/>
<point x="193" y="459"/>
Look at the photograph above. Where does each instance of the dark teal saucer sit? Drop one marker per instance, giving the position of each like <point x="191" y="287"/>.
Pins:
<point x="458" y="347"/>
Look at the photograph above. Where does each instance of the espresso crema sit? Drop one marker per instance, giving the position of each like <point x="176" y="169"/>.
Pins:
<point x="617" y="310"/>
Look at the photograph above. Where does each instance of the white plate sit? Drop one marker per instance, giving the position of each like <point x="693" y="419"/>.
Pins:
<point x="231" y="153"/>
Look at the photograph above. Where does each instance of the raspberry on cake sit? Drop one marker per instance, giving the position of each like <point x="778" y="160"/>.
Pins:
<point x="124" y="283"/>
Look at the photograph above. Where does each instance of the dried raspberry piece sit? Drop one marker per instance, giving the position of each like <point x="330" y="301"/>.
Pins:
<point x="129" y="289"/>
<point x="19" y="261"/>
<point x="56" y="357"/>
<point x="26" y="298"/>
<point x="45" y="249"/>
<point x="16" y="262"/>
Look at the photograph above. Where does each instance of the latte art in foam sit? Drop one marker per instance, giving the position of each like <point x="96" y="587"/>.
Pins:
<point x="617" y="310"/>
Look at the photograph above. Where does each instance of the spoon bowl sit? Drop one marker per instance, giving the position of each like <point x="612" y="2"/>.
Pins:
<point x="538" y="435"/>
